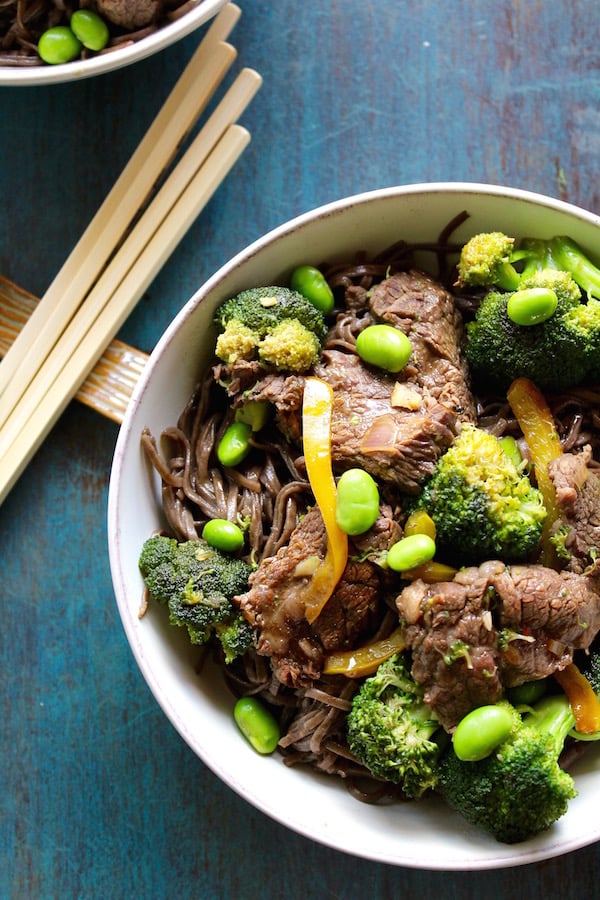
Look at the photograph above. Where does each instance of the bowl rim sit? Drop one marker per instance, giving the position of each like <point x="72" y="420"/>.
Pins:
<point x="505" y="856"/>
<point x="24" y="76"/>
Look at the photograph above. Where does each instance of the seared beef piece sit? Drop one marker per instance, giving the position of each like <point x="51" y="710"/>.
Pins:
<point x="578" y="496"/>
<point x="454" y="646"/>
<point x="560" y="611"/>
<point x="274" y="605"/>
<point x="492" y="627"/>
<point x="285" y="393"/>
<point x="397" y="445"/>
<point x="356" y="297"/>
<point x="385" y="532"/>
<point x="240" y="375"/>
<point x="426" y="312"/>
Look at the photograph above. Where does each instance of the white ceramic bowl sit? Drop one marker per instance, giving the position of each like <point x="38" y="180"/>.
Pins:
<point x="425" y="835"/>
<point x="15" y="76"/>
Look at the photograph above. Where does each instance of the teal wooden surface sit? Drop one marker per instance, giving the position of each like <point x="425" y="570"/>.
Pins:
<point x="100" y="797"/>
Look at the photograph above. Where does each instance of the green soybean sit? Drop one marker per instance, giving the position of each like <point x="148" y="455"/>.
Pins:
<point x="90" y="29"/>
<point x="357" y="501"/>
<point x="58" y="45"/>
<point x="234" y="446"/>
<point x="410" y="552"/>
<point x="481" y="731"/>
<point x="384" y="346"/>
<point x="312" y="284"/>
<point x="531" y="306"/>
<point x="223" y="534"/>
<point x="257" y="724"/>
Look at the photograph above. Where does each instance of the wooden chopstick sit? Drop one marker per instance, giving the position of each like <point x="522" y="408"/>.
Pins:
<point x="101" y="327"/>
<point x="182" y="108"/>
<point x="107" y="389"/>
<point x="116" y="281"/>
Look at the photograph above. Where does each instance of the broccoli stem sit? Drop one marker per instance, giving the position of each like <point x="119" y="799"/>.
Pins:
<point x="552" y="715"/>
<point x="569" y="256"/>
<point x="507" y="277"/>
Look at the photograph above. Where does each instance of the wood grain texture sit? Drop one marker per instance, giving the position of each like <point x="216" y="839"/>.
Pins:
<point x="100" y="797"/>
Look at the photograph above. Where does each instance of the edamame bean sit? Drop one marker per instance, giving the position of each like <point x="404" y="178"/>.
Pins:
<point x="481" y="731"/>
<point x="234" y="446"/>
<point x="257" y="724"/>
<point x="384" y="346"/>
<point x="312" y="284"/>
<point x="528" y="693"/>
<point x="223" y="534"/>
<point x="420" y="522"/>
<point x="58" y="45"/>
<point x="357" y="501"/>
<point x="89" y="28"/>
<point x="531" y="306"/>
<point x="410" y="552"/>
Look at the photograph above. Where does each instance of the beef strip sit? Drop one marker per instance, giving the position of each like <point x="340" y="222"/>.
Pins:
<point x="427" y="313"/>
<point x="396" y="445"/>
<point x="285" y="393"/>
<point x="578" y="497"/>
<point x="274" y="604"/>
<point x="493" y="627"/>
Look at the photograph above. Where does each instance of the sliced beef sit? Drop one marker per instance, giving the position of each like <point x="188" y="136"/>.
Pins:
<point x="285" y="393"/>
<point x="427" y="313"/>
<point x="454" y="646"/>
<point x="396" y="445"/>
<point x="274" y="604"/>
<point x="240" y="375"/>
<point x="578" y="497"/>
<point x="493" y="627"/>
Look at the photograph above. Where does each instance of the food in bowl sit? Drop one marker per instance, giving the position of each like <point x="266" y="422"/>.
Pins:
<point x="422" y="832"/>
<point x="98" y="33"/>
<point x="373" y="523"/>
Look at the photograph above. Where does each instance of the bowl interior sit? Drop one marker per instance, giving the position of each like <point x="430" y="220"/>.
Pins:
<point x="427" y="834"/>
<point x="13" y="76"/>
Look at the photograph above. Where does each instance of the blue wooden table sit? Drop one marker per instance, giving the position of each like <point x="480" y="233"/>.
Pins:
<point x="100" y="798"/>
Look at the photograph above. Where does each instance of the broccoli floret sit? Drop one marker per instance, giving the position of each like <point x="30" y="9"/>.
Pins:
<point x="391" y="730"/>
<point x="196" y="582"/>
<point x="290" y="346"/>
<point x="519" y="790"/>
<point x="583" y="321"/>
<point x="492" y="259"/>
<point x="280" y="327"/>
<point x="236" y="637"/>
<point x="486" y="260"/>
<point x="483" y="507"/>
<point x="499" y="350"/>
<point x="590" y="667"/>
<point x="237" y="342"/>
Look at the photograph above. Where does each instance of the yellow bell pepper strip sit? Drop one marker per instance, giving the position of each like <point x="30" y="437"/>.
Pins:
<point x="316" y="436"/>
<point x="584" y="702"/>
<point x="537" y="424"/>
<point x="431" y="572"/>
<point x="365" y="660"/>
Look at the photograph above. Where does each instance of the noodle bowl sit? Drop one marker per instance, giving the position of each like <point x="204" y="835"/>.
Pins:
<point x="423" y="834"/>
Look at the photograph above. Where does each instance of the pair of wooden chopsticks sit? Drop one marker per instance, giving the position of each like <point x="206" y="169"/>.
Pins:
<point x="107" y="389"/>
<point x="123" y="248"/>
